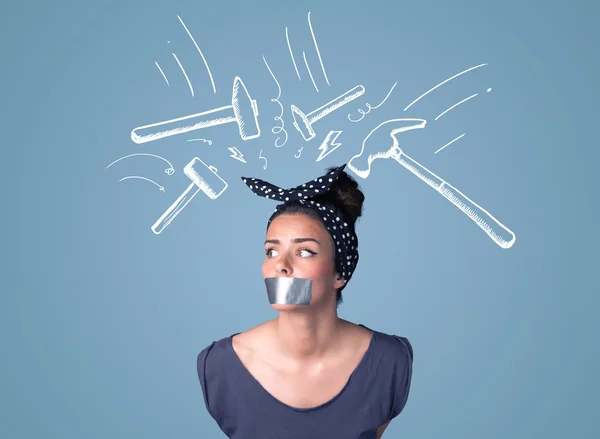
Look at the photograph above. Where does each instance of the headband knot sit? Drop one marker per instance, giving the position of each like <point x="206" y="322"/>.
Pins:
<point x="310" y="189"/>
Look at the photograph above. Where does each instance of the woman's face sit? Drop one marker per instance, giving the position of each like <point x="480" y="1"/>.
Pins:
<point x="300" y="246"/>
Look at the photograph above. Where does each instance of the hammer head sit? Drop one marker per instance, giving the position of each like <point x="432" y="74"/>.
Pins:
<point x="302" y="123"/>
<point x="373" y="148"/>
<point x="205" y="177"/>
<point x="245" y="110"/>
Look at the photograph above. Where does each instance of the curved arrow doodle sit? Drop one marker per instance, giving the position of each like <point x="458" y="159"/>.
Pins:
<point x="169" y="171"/>
<point x="160" y="188"/>
<point x="200" y="140"/>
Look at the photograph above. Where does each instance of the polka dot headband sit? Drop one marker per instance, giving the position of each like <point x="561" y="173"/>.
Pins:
<point x="345" y="240"/>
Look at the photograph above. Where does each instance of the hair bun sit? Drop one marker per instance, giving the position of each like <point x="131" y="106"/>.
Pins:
<point x="346" y="195"/>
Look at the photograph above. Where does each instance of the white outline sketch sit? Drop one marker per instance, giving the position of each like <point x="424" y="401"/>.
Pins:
<point x="162" y="73"/>
<point x="169" y="171"/>
<point x="287" y="38"/>
<point x="455" y="105"/>
<point x="309" y="72"/>
<point x="241" y="110"/>
<point x="201" y="181"/>
<point x="277" y="129"/>
<point x="369" y="108"/>
<point x="200" y="140"/>
<point x="184" y="74"/>
<point x="450" y="143"/>
<point x="160" y="188"/>
<point x="317" y="48"/>
<point x="303" y="122"/>
<point x="201" y="54"/>
<point x="328" y="142"/>
<point x="299" y="153"/>
<point x="490" y="225"/>
<point x="441" y="83"/>
<point x="235" y="155"/>
<point x="264" y="158"/>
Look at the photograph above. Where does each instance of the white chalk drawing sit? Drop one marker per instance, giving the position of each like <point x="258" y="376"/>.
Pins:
<point x="264" y="158"/>
<point x="455" y="105"/>
<point x="160" y="188"/>
<point x="299" y="153"/>
<point x="309" y="72"/>
<point x="360" y="164"/>
<point x="162" y="73"/>
<point x="243" y="111"/>
<point x="204" y="178"/>
<point x="442" y="83"/>
<point x="287" y="38"/>
<point x="169" y="171"/>
<point x="184" y="74"/>
<point x="317" y="48"/>
<point x="277" y="129"/>
<point x="329" y="145"/>
<point x="450" y="142"/>
<point x="201" y="54"/>
<point x="200" y="140"/>
<point x="303" y="122"/>
<point x="236" y="154"/>
<point x="369" y="107"/>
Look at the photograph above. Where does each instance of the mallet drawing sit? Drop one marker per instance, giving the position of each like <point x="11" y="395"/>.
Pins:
<point x="361" y="165"/>
<point x="243" y="110"/>
<point x="204" y="178"/>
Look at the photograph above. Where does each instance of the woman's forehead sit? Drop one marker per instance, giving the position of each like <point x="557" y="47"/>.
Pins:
<point x="296" y="223"/>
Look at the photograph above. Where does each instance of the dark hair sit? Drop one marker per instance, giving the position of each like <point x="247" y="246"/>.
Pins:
<point x="345" y="195"/>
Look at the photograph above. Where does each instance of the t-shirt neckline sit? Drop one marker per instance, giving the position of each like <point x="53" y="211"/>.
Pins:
<point x="358" y="367"/>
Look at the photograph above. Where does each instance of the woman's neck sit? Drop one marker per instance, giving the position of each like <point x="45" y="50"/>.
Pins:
<point x="308" y="335"/>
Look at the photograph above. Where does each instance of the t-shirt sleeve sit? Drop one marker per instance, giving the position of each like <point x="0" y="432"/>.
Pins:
<point x="402" y="375"/>
<point x="204" y="377"/>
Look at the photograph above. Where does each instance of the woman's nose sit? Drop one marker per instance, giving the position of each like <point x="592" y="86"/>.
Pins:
<point x="282" y="266"/>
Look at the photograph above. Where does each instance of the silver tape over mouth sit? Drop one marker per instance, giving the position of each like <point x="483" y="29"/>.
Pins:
<point x="288" y="290"/>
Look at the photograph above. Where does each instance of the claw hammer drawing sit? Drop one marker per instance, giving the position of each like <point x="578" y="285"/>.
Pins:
<point x="361" y="166"/>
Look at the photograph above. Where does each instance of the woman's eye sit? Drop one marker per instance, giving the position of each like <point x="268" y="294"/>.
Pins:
<point x="306" y="252"/>
<point x="303" y="252"/>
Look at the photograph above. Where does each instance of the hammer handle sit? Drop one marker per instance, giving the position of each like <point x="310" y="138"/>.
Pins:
<point x="175" y="208"/>
<point x="490" y="225"/>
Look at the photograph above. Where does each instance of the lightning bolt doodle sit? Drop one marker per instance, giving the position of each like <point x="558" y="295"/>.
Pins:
<point x="235" y="155"/>
<point x="329" y="145"/>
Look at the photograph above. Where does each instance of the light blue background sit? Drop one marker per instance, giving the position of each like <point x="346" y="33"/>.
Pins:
<point x="102" y="320"/>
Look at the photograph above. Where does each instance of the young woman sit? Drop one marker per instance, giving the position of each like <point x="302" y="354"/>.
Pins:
<point x="307" y="374"/>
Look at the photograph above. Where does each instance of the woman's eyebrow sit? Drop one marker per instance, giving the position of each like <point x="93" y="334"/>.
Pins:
<point x="295" y="240"/>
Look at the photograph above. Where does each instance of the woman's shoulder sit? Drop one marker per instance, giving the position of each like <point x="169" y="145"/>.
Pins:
<point x="214" y="353"/>
<point x="392" y="346"/>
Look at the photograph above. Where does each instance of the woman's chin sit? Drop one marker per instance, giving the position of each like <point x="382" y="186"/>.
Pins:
<point x="287" y="307"/>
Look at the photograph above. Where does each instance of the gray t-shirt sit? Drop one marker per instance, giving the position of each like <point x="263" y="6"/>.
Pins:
<point x="376" y="392"/>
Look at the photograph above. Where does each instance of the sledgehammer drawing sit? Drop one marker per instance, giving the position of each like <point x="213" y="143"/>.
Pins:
<point x="204" y="178"/>
<point x="243" y="110"/>
<point x="361" y="165"/>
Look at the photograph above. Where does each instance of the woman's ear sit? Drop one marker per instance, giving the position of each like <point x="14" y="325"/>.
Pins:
<point x="339" y="281"/>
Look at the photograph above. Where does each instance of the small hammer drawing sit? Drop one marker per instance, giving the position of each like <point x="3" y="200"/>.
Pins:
<point x="303" y="122"/>
<point x="204" y="178"/>
<point x="361" y="165"/>
<point x="243" y="110"/>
